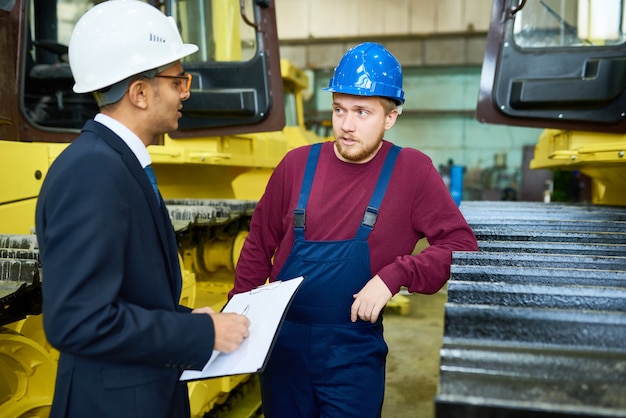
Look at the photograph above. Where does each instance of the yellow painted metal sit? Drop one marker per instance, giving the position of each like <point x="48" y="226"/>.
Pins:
<point x="295" y="82"/>
<point x="32" y="328"/>
<point x="238" y="245"/>
<point x="400" y="304"/>
<point x="17" y="217"/>
<point x="207" y="394"/>
<point x="250" y="184"/>
<point x="19" y="176"/>
<point x="292" y="74"/>
<point x="189" y="290"/>
<point x="22" y="170"/>
<point x="226" y="20"/>
<point x="298" y="136"/>
<point x="601" y="157"/>
<point x="205" y="168"/>
<point x="26" y="373"/>
<point x="251" y="150"/>
<point x="217" y="254"/>
<point x="23" y="167"/>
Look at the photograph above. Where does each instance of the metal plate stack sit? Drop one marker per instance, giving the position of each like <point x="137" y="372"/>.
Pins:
<point x="186" y="213"/>
<point x="535" y="323"/>
<point x="20" y="285"/>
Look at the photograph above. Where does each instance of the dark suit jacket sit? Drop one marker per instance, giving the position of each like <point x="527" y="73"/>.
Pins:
<point x="111" y="284"/>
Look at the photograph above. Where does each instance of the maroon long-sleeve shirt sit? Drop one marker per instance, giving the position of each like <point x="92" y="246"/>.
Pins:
<point x="417" y="204"/>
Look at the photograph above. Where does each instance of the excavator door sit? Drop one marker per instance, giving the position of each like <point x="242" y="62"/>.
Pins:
<point x="555" y="64"/>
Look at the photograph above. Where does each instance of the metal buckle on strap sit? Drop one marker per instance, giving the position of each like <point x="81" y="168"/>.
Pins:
<point x="298" y="218"/>
<point x="369" y="219"/>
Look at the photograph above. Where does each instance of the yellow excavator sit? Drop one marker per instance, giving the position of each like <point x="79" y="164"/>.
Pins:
<point x="535" y="321"/>
<point x="244" y="114"/>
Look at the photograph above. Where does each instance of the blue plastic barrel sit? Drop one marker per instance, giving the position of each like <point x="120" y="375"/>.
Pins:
<point x="456" y="183"/>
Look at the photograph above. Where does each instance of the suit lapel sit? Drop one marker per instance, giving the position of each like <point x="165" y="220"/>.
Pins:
<point x="158" y="210"/>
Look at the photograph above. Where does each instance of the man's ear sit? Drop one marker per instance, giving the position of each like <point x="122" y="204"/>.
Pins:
<point x="138" y="94"/>
<point x="390" y="119"/>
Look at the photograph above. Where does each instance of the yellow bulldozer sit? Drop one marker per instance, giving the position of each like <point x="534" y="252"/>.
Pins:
<point x="244" y="114"/>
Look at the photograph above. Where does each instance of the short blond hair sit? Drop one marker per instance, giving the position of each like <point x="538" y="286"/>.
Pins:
<point x="389" y="105"/>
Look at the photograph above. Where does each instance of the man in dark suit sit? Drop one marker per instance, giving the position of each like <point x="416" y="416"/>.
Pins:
<point x="111" y="275"/>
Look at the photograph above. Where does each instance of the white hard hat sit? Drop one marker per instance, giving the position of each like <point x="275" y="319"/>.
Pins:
<point x="117" y="39"/>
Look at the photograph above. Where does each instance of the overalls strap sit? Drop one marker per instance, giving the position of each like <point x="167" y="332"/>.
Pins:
<point x="309" y="172"/>
<point x="371" y="212"/>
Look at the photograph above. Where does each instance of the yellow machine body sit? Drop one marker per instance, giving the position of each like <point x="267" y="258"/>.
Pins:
<point x="600" y="156"/>
<point x="22" y="169"/>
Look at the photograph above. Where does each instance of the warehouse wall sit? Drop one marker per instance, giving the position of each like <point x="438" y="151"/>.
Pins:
<point x="440" y="44"/>
<point x="303" y="19"/>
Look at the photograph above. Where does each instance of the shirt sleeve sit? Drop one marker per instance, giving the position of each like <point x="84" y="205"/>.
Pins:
<point x="266" y="231"/>
<point x="434" y="215"/>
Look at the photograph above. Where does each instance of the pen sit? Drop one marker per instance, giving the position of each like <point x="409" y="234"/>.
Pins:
<point x="245" y="310"/>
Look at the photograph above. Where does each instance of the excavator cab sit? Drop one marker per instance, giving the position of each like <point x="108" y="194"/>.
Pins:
<point x="237" y="85"/>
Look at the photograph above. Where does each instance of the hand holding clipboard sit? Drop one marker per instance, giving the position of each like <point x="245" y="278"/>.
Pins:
<point x="265" y="307"/>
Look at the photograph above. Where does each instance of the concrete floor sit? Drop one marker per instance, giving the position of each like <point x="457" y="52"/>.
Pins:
<point x="414" y="341"/>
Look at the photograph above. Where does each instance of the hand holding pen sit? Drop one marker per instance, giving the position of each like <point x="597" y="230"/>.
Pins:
<point x="230" y="328"/>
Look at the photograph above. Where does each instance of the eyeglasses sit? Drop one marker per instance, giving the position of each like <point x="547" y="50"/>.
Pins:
<point x="185" y="80"/>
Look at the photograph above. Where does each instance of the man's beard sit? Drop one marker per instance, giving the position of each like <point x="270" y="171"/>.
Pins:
<point x="362" y="155"/>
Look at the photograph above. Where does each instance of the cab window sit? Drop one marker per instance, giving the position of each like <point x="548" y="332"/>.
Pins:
<point x="231" y="78"/>
<point x="570" y="23"/>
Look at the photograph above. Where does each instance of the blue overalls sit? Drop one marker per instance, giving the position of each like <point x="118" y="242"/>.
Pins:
<point x="324" y="365"/>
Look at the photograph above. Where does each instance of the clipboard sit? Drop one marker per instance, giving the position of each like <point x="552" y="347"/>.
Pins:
<point x="265" y="307"/>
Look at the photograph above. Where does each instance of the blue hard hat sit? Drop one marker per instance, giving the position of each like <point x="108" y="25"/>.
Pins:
<point x="368" y="69"/>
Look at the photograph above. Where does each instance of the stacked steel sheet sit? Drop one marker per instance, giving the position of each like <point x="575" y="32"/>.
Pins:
<point x="187" y="213"/>
<point x="20" y="270"/>
<point x="20" y="285"/>
<point x="535" y="323"/>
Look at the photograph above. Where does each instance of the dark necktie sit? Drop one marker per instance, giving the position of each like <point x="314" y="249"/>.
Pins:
<point x="150" y="172"/>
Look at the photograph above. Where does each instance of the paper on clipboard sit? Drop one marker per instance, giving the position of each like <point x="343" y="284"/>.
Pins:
<point x="265" y="307"/>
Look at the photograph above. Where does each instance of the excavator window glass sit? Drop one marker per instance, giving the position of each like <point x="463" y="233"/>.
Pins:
<point x="217" y="29"/>
<point x="231" y="72"/>
<point x="47" y="99"/>
<point x="7" y="5"/>
<point x="570" y="23"/>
